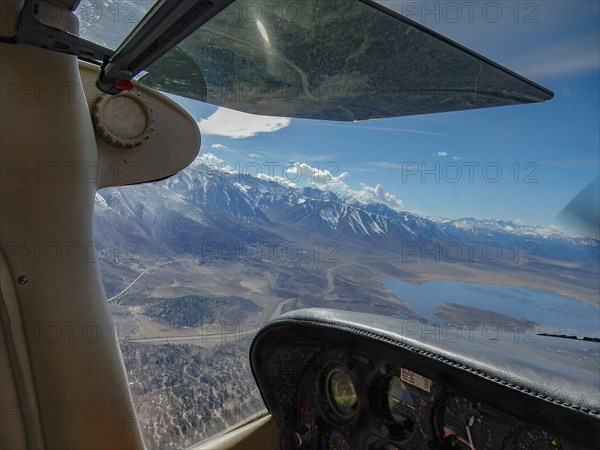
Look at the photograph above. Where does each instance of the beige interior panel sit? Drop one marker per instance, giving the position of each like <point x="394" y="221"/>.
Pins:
<point x="172" y="143"/>
<point x="12" y="435"/>
<point x="17" y="393"/>
<point x="46" y="142"/>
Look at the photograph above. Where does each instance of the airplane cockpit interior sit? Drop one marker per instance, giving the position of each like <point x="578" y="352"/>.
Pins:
<point x="312" y="224"/>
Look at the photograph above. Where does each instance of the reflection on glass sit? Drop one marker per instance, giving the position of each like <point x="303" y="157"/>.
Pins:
<point x="331" y="59"/>
<point x="398" y="398"/>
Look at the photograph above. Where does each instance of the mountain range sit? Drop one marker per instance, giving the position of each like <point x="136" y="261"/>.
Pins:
<point x="201" y="207"/>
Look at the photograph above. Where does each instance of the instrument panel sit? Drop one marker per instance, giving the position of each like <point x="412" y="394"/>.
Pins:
<point x="342" y="380"/>
<point x="353" y="401"/>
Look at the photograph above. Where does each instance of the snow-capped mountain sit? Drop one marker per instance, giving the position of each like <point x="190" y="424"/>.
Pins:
<point x="503" y="226"/>
<point x="201" y="204"/>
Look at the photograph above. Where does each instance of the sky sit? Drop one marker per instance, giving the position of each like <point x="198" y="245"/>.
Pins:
<point x="520" y="163"/>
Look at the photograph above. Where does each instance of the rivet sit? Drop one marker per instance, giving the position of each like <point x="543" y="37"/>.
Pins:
<point x="23" y="279"/>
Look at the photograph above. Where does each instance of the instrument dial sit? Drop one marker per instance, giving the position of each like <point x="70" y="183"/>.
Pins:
<point x="395" y="410"/>
<point x="461" y="422"/>
<point x="400" y="403"/>
<point x="341" y="392"/>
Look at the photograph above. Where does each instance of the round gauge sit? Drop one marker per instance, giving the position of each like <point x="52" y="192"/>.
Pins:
<point x="341" y="392"/>
<point x="461" y="422"/>
<point x="531" y="440"/>
<point x="398" y="416"/>
<point x="400" y="403"/>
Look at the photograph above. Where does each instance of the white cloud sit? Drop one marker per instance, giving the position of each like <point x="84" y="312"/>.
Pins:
<point x="211" y="162"/>
<point x="239" y="125"/>
<point x="456" y="158"/>
<point x="277" y="179"/>
<point x="322" y="178"/>
<point x="370" y="194"/>
<point x="221" y="147"/>
<point x="442" y="154"/>
<point x="254" y="156"/>
<point x="325" y="179"/>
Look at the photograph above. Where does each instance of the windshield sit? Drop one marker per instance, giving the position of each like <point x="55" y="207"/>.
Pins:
<point x="109" y="22"/>
<point x="448" y="219"/>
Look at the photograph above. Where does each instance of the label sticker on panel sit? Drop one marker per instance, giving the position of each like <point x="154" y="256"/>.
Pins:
<point x="410" y="377"/>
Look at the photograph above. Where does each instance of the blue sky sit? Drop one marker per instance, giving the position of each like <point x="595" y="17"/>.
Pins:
<point x="546" y="152"/>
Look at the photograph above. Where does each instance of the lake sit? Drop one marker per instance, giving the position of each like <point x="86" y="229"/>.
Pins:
<point x="560" y="313"/>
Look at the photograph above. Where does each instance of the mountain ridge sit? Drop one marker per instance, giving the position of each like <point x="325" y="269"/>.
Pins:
<point x="244" y="208"/>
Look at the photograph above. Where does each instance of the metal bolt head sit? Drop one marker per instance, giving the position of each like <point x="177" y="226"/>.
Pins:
<point x="23" y="279"/>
